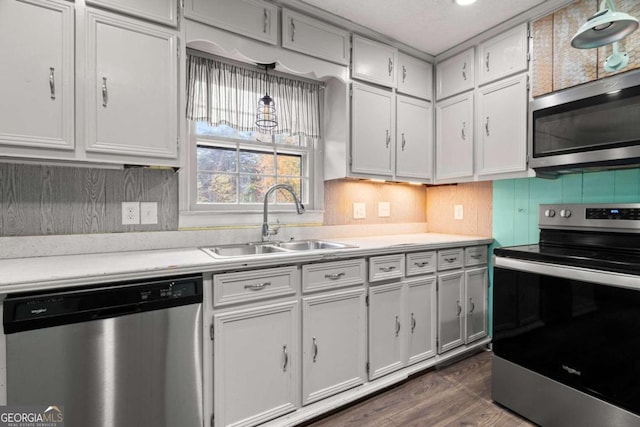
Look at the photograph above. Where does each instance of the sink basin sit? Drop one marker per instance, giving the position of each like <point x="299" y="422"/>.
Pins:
<point x="310" y="245"/>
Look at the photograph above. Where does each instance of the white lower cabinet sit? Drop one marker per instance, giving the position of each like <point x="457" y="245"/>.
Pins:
<point x="333" y="343"/>
<point x="476" y="283"/>
<point x="450" y="311"/>
<point x="422" y="306"/>
<point x="256" y="363"/>
<point x="386" y="337"/>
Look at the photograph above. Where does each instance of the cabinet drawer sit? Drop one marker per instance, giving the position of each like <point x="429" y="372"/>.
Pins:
<point x="245" y="286"/>
<point x="475" y="255"/>
<point x="421" y="263"/>
<point x="332" y="275"/>
<point x="450" y="259"/>
<point x="386" y="267"/>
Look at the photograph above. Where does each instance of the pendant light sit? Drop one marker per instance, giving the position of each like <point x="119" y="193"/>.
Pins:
<point x="605" y="27"/>
<point x="266" y="118"/>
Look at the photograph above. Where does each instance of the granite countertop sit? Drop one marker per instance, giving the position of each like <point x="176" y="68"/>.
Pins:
<point x="48" y="272"/>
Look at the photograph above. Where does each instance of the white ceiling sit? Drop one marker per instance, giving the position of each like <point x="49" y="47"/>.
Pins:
<point x="431" y="26"/>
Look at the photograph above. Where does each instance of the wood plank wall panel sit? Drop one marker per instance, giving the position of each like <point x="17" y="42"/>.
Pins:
<point x="46" y="200"/>
<point x="477" y="201"/>
<point x="630" y="44"/>
<point x="408" y="202"/>
<point x="542" y="56"/>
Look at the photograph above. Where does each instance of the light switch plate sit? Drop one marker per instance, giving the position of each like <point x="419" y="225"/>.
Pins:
<point x="458" y="212"/>
<point x="384" y="209"/>
<point x="359" y="211"/>
<point x="130" y="213"/>
<point x="148" y="213"/>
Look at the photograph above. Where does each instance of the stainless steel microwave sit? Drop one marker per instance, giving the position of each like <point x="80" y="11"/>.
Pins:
<point x="592" y="126"/>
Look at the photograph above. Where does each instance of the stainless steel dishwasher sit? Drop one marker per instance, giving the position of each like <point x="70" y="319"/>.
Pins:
<point x="125" y="354"/>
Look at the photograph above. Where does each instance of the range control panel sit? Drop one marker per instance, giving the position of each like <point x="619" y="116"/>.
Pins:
<point x="615" y="217"/>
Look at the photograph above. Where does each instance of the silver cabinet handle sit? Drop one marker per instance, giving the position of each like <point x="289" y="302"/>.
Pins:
<point x="397" y="326"/>
<point x="335" y="276"/>
<point x="421" y="264"/>
<point x="293" y="30"/>
<point x="413" y="322"/>
<point x="486" y="126"/>
<point x="463" y="130"/>
<point x="105" y="94"/>
<point x="450" y="260"/>
<point x="404" y="73"/>
<point x="404" y="142"/>
<point x="286" y="358"/>
<point x="464" y="71"/>
<point x="52" y="82"/>
<point x="390" y="66"/>
<point x="476" y="256"/>
<point x="486" y="61"/>
<point x="388" y="269"/>
<point x="266" y="20"/>
<point x="473" y="306"/>
<point x="315" y="349"/>
<point x="459" y="308"/>
<point x="388" y="138"/>
<point x="258" y="286"/>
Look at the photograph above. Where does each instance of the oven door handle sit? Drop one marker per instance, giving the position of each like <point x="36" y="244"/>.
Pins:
<point x="605" y="278"/>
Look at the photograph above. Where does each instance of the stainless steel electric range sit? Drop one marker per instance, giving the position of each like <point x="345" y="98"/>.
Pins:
<point x="566" y="318"/>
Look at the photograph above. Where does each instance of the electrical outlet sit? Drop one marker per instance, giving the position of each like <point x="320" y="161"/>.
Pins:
<point x="130" y="213"/>
<point x="148" y="213"/>
<point x="458" y="212"/>
<point x="384" y="209"/>
<point x="359" y="211"/>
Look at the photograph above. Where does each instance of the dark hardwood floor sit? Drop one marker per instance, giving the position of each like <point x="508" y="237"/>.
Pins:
<point x="456" y="395"/>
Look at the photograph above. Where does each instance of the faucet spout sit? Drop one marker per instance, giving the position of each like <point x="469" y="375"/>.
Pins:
<point x="266" y="231"/>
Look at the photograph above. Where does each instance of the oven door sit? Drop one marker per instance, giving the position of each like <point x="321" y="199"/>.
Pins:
<point x="576" y="326"/>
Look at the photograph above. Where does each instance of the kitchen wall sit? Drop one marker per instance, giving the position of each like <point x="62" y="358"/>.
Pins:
<point x="515" y="201"/>
<point x="476" y="201"/>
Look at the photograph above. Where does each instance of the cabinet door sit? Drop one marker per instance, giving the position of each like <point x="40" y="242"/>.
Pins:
<point x="314" y="38"/>
<point x="503" y="55"/>
<point x="454" y="137"/>
<point x="372" y="133"/>
<point x="450" y="311"/>
<point x="255" y="364"/>
<point x="414" y="139"/>
<point x="251" y="18"/>
<point x="333" y="344"/>
<point x="455" y="75"/>
<point x="476" y="304"/>
<point x="36" y="74"/>
<point x="422" y="319"/>
<point x="415" y="77"/>
<point x="502" y="122"/>
<point x="386" y="333"/>
<point x="162" y="11"/>
<point x="374" y="62"/>
<point x="132" y="89"/>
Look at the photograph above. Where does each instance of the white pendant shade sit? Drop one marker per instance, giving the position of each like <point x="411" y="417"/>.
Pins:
<point x="603" y="28"/>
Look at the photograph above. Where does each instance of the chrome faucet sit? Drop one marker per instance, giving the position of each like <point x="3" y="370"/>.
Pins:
<point x="266" y="232"/>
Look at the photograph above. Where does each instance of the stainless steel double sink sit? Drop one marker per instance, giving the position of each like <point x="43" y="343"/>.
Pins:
<point x="263" y="248"/>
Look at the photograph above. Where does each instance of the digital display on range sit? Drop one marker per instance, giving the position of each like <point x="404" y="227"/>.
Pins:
<point x="613" y="213"/>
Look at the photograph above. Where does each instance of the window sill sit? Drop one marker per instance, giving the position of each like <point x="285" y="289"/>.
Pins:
<point x="189" y="220"/>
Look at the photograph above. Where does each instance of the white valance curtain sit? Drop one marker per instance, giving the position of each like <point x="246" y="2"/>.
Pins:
<point x="222" y="93"/>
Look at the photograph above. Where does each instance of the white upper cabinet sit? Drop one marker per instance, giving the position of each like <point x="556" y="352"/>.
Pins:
<point x="314" y="38"/>
<point x="131" y="107"/>
<point x="501" y="118"/>
<point x="414" y="139"/>
<point x="374" y="62"/>
<point x="414" y="77"/>
<point x="503" y="55"/>
<point x="250" y="18"/>
<point x="454" y="137"/>
<point x="456" y="74"/>
<point x="372" y="130"/>
<point x="36" y="76"/>
<point x="162" y="11"/>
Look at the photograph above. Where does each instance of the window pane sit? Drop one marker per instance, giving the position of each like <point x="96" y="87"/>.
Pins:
<point x="285" y="196"/>
<point x="217" y="188"/>
<point x="216" y="159"/>
<point x="289" y="164"/>
<point x="256" y="162"/>
<point x="254" y="187"/>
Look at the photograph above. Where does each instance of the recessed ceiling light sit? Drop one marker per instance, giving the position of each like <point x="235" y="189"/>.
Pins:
<point x="464" y="2"/>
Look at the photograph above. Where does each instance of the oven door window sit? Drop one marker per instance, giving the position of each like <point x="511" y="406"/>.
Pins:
<point x="599" y="122"/>
<point x="581" y="334"/>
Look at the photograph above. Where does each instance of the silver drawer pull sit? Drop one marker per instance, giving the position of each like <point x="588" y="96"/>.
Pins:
<point x="404" y="142"/>
<point x="293" y="30"/>
<point x="265" y="21"/>
<point x="464" y="131"/>
<point x="390" y="66"/>
<point x="473" y="306"/>
<point x="413" y="322"/>
<point x="486" y="61"/>
<point x="486" y="127"/>
<point x="388" y="269"/>
<point x="464" y="71"/>
<point x="404" y="73"/>
<point x="52" y="82"/>
<point x="388" y="138"/>
<point x="476" y="256"/>
<point x="315" y="349"/>
<point x="451" y="259"/>
<point x="258" y="286"/>
<point x="421" y="264"/>
<point x="105" y="93"/>
<point x="335" y="276"/>
<point x="397" y="326"/>
<point x="286" y="358"/>
<point x="459" y="308"/>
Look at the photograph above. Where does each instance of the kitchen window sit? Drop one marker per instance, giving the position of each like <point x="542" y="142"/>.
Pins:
<point x="232" y="161"/>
